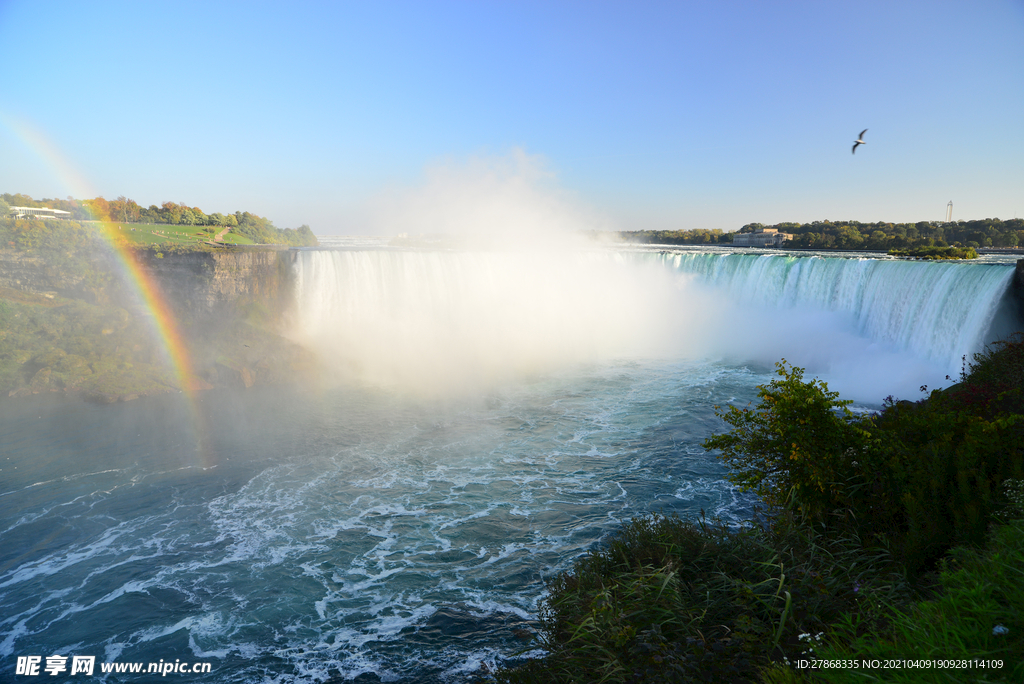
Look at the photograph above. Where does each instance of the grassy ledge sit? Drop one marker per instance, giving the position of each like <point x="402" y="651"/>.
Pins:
<point x="936" y="252"/>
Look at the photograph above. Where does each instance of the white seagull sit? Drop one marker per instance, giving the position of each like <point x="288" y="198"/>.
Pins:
<point x="859" y="140"/>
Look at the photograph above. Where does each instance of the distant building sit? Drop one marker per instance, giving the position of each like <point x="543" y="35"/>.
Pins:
<point x="761" y="237"/>
<point x="39" y="212"/>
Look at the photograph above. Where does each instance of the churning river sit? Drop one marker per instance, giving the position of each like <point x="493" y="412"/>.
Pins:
<point x="483" y="419"/>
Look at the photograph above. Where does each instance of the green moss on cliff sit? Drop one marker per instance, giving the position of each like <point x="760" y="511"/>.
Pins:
<point x="68" y="323"/>
<point x="53" y="344"/>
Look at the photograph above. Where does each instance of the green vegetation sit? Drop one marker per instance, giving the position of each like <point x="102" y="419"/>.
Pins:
<point x="49" y="343"/>
<point x="696" y="236"/>
<point x="53" y="237"/>
<point x="163" y="233"/>
<point x="172" y="222"/>
<point x="103" y="353"/>
<point x="679" y="601"/>
<point x="854" y="235"/>
<point x="936" y="252"/>
<point x="69" y="246"/>
<point x="918" y="478"/>
<point x="978" y="616"/>
<point x="894" y="535"/>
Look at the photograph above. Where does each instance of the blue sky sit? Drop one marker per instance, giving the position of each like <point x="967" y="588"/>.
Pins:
<point x="627" y="115"/>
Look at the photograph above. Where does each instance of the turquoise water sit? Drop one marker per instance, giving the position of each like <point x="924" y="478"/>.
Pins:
<point x="483" y="420"/>
<point x="345" y="533"/>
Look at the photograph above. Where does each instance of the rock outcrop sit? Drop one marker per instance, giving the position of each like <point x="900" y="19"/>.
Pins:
<point x="1018" y="288"/>
<point x="203" y="286"/>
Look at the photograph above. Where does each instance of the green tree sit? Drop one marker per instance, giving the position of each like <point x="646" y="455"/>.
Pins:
<point x="799" y="444"/>
<point x="151" y="215"/>
<point x="171" y="212"/>
<point x="99" y="208"/>
<point x="19" y="200"/>
<point x="124" y="210"/>
<point x="878" y="240"/>
<point x="849" y="238"/>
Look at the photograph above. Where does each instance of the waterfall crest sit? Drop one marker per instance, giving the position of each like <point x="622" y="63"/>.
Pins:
<point x="937" y="311"/>
<point x="441" y="318"/>
<point x="450" y="318"/>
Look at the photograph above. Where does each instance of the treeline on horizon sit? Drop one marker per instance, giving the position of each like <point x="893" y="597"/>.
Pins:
<point x="853" y="235"/>
<point x="124" y="210"/>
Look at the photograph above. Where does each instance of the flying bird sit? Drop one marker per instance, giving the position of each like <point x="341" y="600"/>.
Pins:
<point x="859" y="140"/>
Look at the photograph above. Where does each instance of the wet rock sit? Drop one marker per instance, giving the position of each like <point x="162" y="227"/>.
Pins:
<point x="41" y="380"/>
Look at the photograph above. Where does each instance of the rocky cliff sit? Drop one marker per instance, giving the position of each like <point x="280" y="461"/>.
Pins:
<point x="86" y="277"/>
<point x="207" y="285"/>
<point x="197" y="285"/>
<point x="75" y="323"/>
<point x="1017" y="289"/>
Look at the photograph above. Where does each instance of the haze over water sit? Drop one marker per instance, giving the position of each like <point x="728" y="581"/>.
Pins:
<point x="485" y="417"/>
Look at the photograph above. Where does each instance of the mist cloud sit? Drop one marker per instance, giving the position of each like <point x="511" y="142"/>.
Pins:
<point x="485" y="200"/>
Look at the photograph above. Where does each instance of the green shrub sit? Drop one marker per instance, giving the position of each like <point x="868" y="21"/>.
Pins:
<point x="927" y="252"/>
<point x="956" y="449"/>
<point x="955" y="465"/>
<point x="995" y="382"/>
<point x="802" y="446"/>
<point x="919" y="478"/>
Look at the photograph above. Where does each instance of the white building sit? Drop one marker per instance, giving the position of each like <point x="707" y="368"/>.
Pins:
<point x="39" y="212"/>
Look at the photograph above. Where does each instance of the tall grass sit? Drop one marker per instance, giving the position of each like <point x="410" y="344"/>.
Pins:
<point x="670" y="600"/>
<point x="972" y="632"/>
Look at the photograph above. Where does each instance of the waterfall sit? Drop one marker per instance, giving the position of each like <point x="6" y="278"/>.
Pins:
<point x="441" y="318"/>
<point x="432" y="318"/>
<point x="937" y="311"/>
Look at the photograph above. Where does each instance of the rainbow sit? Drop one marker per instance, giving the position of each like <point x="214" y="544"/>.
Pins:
<point x="132" y="271"/>
<point x="166" y="327"/>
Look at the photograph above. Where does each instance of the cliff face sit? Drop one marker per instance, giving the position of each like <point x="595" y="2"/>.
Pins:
<point x="74" y="323"/>
<point x="1018" y="288"/>
<point x="209" y="285"/>
<point x="198" y="286"/>
<point x="87" y="277"/>
<point x="21" y="272"/>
